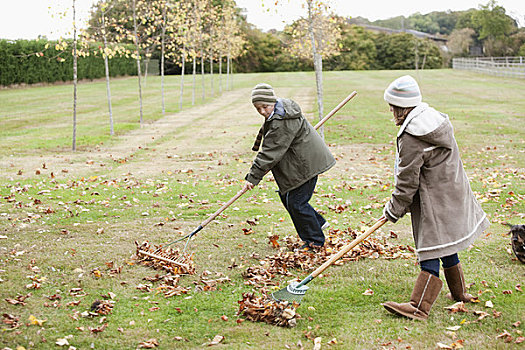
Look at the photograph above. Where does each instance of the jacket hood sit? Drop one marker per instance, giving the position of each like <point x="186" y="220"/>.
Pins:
<point x="291" y="109"/>
<point x="429" y="125"/>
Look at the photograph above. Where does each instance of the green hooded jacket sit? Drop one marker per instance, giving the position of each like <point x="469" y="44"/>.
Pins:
<point x="292" y="149"/>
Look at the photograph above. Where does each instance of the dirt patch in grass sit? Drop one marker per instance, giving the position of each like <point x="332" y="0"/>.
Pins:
<point x="192" y="139"/>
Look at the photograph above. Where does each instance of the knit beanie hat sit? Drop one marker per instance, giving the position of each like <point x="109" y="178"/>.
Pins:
<point x="263" y="93"/>
<point x="403" y="92"/>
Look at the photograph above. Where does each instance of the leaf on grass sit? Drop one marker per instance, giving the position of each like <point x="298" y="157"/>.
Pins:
<point x="77" y="292"/>
<point x="98" y="329"/>
<point x="333" y="341"/>
<point x="102" y="307"/>
<point x="368" y="292"/>
<point x="247" y="231"/>
<point x="481" y="314"/>
<point x="457" y="307"/>
<point x="489" y="304"/>
<point x="272" y="239"/>
<point x="453" y="328"/>
<point x="35" y="321"/>
<point x="19" y="299"/>
<point x="148" y="344"/>
<point x="317" y="343"/>
<point x="506" y="336"/>
<point x="11" y="320"/>
<point x="62" y="342"/>
<point x="216" y="340"/>
<point x="457" y="345"/>
<point x="73" y="303"/>
<point x="96" y="273"/>
<point x="443" y="346"/>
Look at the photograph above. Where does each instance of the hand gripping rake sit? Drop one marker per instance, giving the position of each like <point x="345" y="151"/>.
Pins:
<point x="234" y="198"/>
<point x="296" y="290"/>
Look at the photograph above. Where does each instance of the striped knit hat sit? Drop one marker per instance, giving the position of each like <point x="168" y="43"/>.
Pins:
<point x="263" y="93"/>
<point x="403" y="92"/>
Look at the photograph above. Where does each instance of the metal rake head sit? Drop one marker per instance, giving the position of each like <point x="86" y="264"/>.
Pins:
<point x="292" y="293"/>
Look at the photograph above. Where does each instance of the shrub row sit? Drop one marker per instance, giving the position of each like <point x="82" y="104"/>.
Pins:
<point x="30" y="62"/>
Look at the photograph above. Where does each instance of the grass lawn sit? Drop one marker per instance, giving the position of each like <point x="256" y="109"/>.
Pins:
<point x="69" y="220"/>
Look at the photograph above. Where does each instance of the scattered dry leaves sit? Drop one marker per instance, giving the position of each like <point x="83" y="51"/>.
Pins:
<point x="264" y="309"/>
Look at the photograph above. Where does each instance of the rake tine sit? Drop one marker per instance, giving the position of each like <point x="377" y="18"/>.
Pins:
<point x="160" y="257"/>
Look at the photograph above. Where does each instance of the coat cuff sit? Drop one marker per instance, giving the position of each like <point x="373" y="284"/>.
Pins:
<point x="388" y="214"/>
<point x="251" y="179"/>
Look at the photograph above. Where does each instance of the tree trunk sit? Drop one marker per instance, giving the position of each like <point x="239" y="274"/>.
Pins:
<point x="106" y="67"/>
<point x="211" y="75"/>
<point x="318" y="66"/>
<point x="220" y="74"/>
<point x="182" y="75"/>
<point x="194" y="78"/>
<point x="162" y="49"/>
<point x="202" y="75"/>
<point x="231" y="72"/>
<point x="74" y="146"/>
<point x="137" y="48"/>
<point x="228" y="72"/>
<point x="146" y="66"/>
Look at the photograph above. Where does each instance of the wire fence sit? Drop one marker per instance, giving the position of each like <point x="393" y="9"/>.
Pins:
<point x="501" y="66"/>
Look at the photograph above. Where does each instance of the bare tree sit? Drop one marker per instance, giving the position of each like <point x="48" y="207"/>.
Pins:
<point x="314" y="37"/>
<point x="75" y="78"/>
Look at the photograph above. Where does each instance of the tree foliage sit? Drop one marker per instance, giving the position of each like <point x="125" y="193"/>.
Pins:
<point x="358" y="49"/>
<point x="492" y="21"/>
<point x="398" y="51"/>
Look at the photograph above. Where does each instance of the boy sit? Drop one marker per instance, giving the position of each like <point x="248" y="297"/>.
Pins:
<point x="296" y="155"/>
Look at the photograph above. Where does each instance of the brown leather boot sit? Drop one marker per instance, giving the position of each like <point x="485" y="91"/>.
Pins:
<point x="456" y="284"/>
<point x="423" y="297"/>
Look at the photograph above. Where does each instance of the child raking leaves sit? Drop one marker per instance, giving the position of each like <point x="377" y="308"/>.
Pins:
<point x="432" y="185"/>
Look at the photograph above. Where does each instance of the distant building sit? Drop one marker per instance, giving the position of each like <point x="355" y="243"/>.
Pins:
<point x="417" y="33"/>
<point x="439" y="40"/>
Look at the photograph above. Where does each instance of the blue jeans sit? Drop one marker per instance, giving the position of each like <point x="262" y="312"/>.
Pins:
<point x="432" y="265"/>
<point x="306" y="220"/>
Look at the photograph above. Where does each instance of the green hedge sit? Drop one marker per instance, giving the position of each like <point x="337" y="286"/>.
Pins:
<point x="29" y="62"/>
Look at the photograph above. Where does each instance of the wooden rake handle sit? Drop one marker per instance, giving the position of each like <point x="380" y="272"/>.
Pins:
<point x="349" y="247"/>
<point x="334" y="111"/>
<point x="221" y="209"/>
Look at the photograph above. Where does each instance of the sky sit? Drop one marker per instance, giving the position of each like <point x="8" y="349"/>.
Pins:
<point x="27" y="19"/>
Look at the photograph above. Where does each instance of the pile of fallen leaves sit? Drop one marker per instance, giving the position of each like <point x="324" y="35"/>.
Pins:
<point x="264" y="309"/>
<point x="290" y="257"/>
<point x="178" y="262"/>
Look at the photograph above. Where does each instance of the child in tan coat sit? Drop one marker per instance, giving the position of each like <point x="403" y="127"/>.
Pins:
<point x="432" y="185"/>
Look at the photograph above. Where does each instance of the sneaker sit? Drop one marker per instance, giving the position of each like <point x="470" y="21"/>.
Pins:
<point x="303" y="248"/>
<point x="325" y="226"/>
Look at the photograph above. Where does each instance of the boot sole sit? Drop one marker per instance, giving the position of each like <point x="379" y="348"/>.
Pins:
<point x="400" y="313"/>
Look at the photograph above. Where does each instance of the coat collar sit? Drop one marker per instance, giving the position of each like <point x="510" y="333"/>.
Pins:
<point x="414" y="113"/>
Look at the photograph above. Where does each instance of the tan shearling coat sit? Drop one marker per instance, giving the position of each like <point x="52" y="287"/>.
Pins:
<point x="431" y="183"/>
